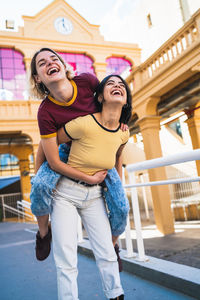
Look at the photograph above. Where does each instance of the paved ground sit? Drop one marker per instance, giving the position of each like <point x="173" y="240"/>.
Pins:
<point x="24" y="278"/>
<point x="182" y="247"/>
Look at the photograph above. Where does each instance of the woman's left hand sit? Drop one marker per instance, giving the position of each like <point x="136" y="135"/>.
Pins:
<point x="124" y="127"/>
<point x="97" y="177"/>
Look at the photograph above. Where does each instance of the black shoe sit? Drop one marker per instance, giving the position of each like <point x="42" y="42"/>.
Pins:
<point x="43" y="245"/>
<point x="118" y="258"/>
<point x="121" y="297"/>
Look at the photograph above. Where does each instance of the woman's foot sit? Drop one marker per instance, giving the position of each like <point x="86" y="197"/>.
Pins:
<point x="43" y="245"/>
<point x="121" y="297"/>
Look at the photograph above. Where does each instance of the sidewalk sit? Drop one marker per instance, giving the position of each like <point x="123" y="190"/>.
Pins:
<point x="173" y="260"/>
<point x="182" y="247"/>
<point x="24" y="278"/>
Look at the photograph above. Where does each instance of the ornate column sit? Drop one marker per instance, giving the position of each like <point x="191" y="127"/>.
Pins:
<point x="100" y="69"/>
<point x="99" y="63"/>
<point x="25" y="178"/>
<point x="134" y="138"/>
<point x="27" y="62"/>
<point x="150" y="126"/>
<point x="25" y="182"/>
<point x="22" y="152"/>
<point x="193" y="123"/>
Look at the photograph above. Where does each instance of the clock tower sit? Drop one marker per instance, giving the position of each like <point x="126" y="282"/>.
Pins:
<point x="63" y="25"/>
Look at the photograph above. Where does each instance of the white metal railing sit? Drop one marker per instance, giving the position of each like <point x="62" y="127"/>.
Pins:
<point x="19" y="208"/>
<point x="18" y="212"/>
<point x="185" y="192"/>
<point x="150" y="164"/>
<point x="25" y="208"/>
<point x="9" y="200"/>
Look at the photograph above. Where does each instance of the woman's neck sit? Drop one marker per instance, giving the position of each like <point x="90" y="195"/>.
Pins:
<point x="109" y="118"/>
<point x="61" y="91"/>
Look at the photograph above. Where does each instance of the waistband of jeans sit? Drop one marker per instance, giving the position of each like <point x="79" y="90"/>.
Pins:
<point x="102" y="184"/>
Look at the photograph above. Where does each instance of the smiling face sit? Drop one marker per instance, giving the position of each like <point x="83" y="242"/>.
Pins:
<point x="115" y="91"/>
<point x="49" y="68"/>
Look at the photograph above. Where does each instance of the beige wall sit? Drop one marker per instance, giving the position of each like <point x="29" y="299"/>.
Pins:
<point x="40" y="31"/>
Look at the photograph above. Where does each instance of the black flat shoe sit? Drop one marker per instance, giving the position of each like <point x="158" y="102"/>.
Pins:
<point x="43" y="245"/>
<point x="121" y="297"/>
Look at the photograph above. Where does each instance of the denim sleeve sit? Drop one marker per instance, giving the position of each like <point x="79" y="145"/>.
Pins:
<point x="117" y="202"/>
<point x="44" y="183"/>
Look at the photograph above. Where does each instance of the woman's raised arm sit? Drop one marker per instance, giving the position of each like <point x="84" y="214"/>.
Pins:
<point x="52" y="155"/>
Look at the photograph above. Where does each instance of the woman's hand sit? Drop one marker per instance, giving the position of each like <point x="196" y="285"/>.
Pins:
<point x="97" y="177"/>
<point x="124" y="127"/>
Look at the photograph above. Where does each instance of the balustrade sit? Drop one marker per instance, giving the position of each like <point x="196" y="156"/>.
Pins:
<point x="176" y="46"/>
<point x="12" y="110"/>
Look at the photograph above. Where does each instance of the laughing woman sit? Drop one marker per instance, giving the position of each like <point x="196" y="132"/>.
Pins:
<point x="96" y="142"/>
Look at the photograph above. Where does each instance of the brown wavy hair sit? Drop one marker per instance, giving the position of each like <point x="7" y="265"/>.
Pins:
<point x="39" y="90"/>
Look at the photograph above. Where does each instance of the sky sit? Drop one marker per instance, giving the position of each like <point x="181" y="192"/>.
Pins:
<point x="99" y="12"/>
<point x="92" y="10"/>
<point x="119" y="20"/>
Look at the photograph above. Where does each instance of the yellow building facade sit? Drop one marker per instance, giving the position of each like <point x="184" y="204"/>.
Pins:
<point x="165" y="84"/>
<point x="60" y="27"/>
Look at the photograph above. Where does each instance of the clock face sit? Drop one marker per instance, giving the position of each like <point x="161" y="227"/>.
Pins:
<point x="63" y="25"/>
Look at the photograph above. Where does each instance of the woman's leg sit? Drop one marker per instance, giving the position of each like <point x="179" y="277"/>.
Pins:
<point x="43" y="222"/>
<point x="41" y="197"/>
<point x="96" y="223"/>
<point x="64" y="220"/>
<point x="43" y="185"/>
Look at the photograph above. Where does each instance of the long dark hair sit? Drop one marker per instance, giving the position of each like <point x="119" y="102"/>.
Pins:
<point x="126" y="109"/>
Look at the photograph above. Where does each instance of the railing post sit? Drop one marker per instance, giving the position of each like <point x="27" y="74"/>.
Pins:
<point x="144" y="197"/>
<point x="128" y="239"/>
<point x="137" y="221"/>
<point x="3" y="207"/>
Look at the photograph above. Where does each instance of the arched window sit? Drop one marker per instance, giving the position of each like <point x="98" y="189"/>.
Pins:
<point x="80" y="62"/>
<point x="9" y="164"/>
<point x="12" y="75"/>
<point x="118" y="65"/>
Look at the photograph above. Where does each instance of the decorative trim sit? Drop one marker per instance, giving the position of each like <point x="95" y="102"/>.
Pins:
<point x="70" y="102"/>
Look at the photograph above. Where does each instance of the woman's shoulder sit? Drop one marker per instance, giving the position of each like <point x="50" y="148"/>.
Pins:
<point x="125" y="132"/>
<point x="80" y="124"/>
<point x="45" y="106"/>
<point x="125" y="135"/>
<point x="82" y="119"/>
<point x="87" y="78"/>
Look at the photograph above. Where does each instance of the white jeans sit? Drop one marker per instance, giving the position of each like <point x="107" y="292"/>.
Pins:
<point x="70" y="200"/>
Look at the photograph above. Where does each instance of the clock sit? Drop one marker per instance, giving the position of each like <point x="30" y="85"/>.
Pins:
<point x="63" y="25"/>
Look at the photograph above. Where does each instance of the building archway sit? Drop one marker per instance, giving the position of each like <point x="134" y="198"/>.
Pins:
<point x="18" y="145"/>
<point x="81" y="63"/>
<point x="118" y="65"/>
